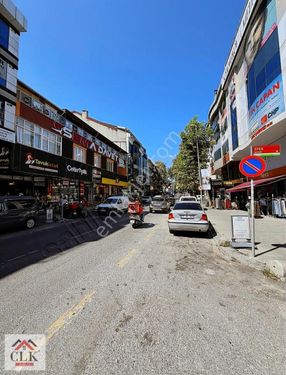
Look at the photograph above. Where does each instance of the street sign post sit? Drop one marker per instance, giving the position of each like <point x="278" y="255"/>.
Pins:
<point x="252" y="166"/>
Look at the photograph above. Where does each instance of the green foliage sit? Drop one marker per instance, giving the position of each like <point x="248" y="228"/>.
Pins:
<point x="185" y="166"/>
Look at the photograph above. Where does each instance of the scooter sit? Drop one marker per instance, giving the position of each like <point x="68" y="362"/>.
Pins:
<point x="135" y="220"/>
<point x="134" y="216"/>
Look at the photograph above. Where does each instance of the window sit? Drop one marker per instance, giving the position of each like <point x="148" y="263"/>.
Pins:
<point x="2" y="111"/>
<point x="217" y="155"/>
<point x="97" y="160"/>
<point x="79" y="154"/>
<point x="265" y="68"/>
<point x="4" y="34"/>
<point x="188" y="206"/>
<point x="3" y="72"/>
<point x="34" y="136"/>
<point x="225" y="148"/>
<point x="109" y="165"/>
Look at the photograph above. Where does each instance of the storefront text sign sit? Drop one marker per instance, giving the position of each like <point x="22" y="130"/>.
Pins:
<point x="240" y="227"/>
<point x="266" y="150"/>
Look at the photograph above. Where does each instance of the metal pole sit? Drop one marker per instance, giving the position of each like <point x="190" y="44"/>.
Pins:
<point x="199" y="166"/>
<point x="252" y="219"/>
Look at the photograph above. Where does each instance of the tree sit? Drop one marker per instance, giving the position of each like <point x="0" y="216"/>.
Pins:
<point x="196" y="136"/>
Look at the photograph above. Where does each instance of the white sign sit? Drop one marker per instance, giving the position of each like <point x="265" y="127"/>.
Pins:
<point x="205" y="175"/>
<point x="7" y="135"/>
<point x="76" y="170"/>
<point x="240" y="227"/>
<point x="25" y="352"/>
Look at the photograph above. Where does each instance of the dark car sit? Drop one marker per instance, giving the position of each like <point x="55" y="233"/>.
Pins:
<point x="18" y="211"/>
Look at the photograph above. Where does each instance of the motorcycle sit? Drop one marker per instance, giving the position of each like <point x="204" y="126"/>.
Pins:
<point x="135" y="215"/>
<point x="75" y="209"/>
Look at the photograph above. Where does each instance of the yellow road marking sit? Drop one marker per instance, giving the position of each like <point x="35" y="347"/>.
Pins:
<point x="133" y="252"/>
<point x="125" y="259"/>
<point x="68" y="315"/>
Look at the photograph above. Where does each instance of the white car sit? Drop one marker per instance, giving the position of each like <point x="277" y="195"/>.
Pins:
<point x="188" y="217"/>
<point x="188" y="198"/>
<point x="115" y="203"/>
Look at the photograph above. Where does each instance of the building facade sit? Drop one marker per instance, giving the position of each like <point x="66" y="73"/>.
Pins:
<point x="249" y="105"/>
<point x="12" y="23"/>
<point x="57" y="154"/>
<point x="125" y="139"/>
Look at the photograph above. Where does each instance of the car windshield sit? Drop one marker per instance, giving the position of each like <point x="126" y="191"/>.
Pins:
<point x="157" y="199"/>
<point x="111" y="200"/>
<point x="188" y="206"/>
<point x="188" y="199"/>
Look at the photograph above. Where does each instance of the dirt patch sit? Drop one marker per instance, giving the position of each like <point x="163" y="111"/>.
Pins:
<point x="123" y="322"/>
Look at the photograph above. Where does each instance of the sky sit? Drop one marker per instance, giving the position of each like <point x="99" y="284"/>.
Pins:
<point x="148" y="65"/>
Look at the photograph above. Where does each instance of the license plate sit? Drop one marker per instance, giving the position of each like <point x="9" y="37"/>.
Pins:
<point x="187" y="217"/>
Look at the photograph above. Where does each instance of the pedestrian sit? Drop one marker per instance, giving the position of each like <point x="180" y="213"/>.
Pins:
<point x="263" y="205"/>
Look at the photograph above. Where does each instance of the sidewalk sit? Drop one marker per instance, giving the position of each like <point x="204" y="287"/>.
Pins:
<point x="270" y="239"/>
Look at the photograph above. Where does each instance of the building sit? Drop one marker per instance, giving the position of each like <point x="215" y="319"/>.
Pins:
<point x="249" y="105"/>
<point x="56" y="154"/>
<point x="12" y="23"/>
<point x="125" y="139"/>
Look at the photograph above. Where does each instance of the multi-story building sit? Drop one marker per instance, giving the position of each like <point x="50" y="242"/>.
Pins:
<point x="58" y="154"/>
<point x="249" y="105"/>
<point x="124" y="138"/>
<point x="12" y="23"/>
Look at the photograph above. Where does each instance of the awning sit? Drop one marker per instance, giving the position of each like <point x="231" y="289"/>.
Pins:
<point x="261" y="182"/>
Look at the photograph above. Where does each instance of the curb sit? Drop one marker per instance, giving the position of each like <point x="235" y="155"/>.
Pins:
<point x="275" y="267"/>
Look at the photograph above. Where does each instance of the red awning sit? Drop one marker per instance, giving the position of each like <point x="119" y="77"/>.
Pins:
<point x="261" y="182"/>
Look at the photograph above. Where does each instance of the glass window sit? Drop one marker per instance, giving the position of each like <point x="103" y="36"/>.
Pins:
<point x="187" y="206"/>
<point x="37" y="137"/>
<point x="79" y="154"/>
<point x="4" y="34"/>
<point x="97" y="160"/>
<point x="217" y="154"/>
<point x="110" y="165"/>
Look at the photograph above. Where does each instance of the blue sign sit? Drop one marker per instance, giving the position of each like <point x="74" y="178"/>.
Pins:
<point x="252" y="166"/>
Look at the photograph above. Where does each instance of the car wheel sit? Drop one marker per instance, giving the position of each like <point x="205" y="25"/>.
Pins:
<point x="171" y="231"/>
<point x="30" y="223"/>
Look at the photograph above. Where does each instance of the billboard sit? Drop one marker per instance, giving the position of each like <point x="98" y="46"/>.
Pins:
<point x="263" y="68"/>
<point x="206" y="177"/>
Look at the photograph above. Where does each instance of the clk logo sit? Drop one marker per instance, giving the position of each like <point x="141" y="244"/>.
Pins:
<point x="25" y="352"/>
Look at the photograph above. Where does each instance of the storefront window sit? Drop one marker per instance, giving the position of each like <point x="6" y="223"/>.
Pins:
<point x="110" y="165"/>
<point x="97" y="160"/>
<point x="34" y="136"/>
<point x="79" y="154"/>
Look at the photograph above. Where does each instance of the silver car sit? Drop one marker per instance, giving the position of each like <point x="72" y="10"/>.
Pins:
<point x="159" y="204"/>
<point x="188" y="217"/>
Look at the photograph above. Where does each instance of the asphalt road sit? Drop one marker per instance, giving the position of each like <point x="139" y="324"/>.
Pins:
<point x="146" y="302"/>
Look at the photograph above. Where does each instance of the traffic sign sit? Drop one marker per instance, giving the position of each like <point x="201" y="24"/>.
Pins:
<point x="266" y="150"/>
<point x="252" y="166"/>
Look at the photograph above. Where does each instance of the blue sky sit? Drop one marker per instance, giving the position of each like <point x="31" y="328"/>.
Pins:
<point x="149" y="65"/>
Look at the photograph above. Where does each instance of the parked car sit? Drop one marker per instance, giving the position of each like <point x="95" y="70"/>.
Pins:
<point x="188" y="198"/>
<point x="146" y="200"/>
<point x="18" y="211"/>
<point x="159" y="203"/>
<point x="188" y="217"/>
<point x="114" y="203"/>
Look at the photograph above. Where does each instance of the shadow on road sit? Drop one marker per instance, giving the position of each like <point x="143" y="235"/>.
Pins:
<point x="22" y="248"/>
<point x="210" y="234"/>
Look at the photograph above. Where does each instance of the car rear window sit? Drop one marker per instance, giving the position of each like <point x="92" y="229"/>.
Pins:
<point x="188" y="206"/>
<point x="188" y="199"/>
<point x="157" y="199"/>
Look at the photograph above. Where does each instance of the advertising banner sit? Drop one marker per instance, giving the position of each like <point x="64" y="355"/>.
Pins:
<point x="263" y="69"/>
<point x="206" y="176"/>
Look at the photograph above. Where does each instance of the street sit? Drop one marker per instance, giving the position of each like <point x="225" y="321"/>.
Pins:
<point x="146" y="302"/>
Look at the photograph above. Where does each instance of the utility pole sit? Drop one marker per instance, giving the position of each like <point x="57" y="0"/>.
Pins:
<point x="199" y="166"/>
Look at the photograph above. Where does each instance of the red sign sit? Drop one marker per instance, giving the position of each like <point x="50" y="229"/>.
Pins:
<point x="267" y="150"/>
<point x="252" y="166"/>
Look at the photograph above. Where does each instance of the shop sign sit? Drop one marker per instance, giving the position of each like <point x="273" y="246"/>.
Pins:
<point x="7" y="135"/>
<point x="240" y="227"/>
<point x="75" y="170"/>
<point x="4" y="157"/>
<point x="205" y="175"/>
<point x="267" y="150"/>
<point x="80" y="171"/>
<point x="40" y="165"/>
<point x="62" y="130"/>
